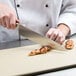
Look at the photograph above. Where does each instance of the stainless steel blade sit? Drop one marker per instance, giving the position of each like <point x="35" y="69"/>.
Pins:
<point x="31" y="35"/>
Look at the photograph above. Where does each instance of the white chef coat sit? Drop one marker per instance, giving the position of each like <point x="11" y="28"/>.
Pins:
<point x="41" y="15"/>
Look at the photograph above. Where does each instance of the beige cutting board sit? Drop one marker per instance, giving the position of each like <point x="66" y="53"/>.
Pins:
<point x="16" y="61"/>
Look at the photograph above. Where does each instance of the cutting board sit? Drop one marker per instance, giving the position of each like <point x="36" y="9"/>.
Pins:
<point x="16" y="61"/>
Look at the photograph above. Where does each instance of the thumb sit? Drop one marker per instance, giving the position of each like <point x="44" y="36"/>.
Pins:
<point x="17" y="21"/>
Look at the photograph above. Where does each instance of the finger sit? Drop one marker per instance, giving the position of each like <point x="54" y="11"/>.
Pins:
<point x="3" y="22"/>
<point x="12" y="22"/>
<point x="62" y="39"/>
<point x="17" y="21"/>
<point x="49" y="33"/>
<point x="58" y="39"/>
<point x="54" y="35"/>
<point x="0" y="22"/>
<point x="7" y="21"/>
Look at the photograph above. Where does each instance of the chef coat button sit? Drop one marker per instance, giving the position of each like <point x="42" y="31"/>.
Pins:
<point x="46" y="5"/>
<point x="18" y="5"/>
<point x="47" y="25"/>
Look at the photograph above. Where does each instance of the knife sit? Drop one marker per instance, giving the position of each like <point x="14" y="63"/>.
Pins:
<point x="33" y="36"/>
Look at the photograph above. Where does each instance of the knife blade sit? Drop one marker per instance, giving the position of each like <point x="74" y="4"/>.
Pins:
<point x="33" y="36"/>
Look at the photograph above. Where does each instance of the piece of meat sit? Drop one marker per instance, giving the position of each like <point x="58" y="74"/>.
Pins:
<point x="42" y="50"/>
<point x="69" y="44"/>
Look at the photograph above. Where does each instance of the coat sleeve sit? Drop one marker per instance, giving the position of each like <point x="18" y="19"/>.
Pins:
<point x="68" y="14"/>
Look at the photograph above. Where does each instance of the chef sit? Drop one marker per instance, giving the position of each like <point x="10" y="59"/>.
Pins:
<point x="55" y="19"/>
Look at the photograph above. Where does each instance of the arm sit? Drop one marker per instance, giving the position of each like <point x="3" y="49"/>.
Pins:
<point x="66" y="23"/>
<point x="7" y="15"/>
<point x="68" y="15"/>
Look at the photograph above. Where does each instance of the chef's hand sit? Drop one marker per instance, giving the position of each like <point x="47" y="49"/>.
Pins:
<point x="58" y="34"/>
<point x="8" y="17"/>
